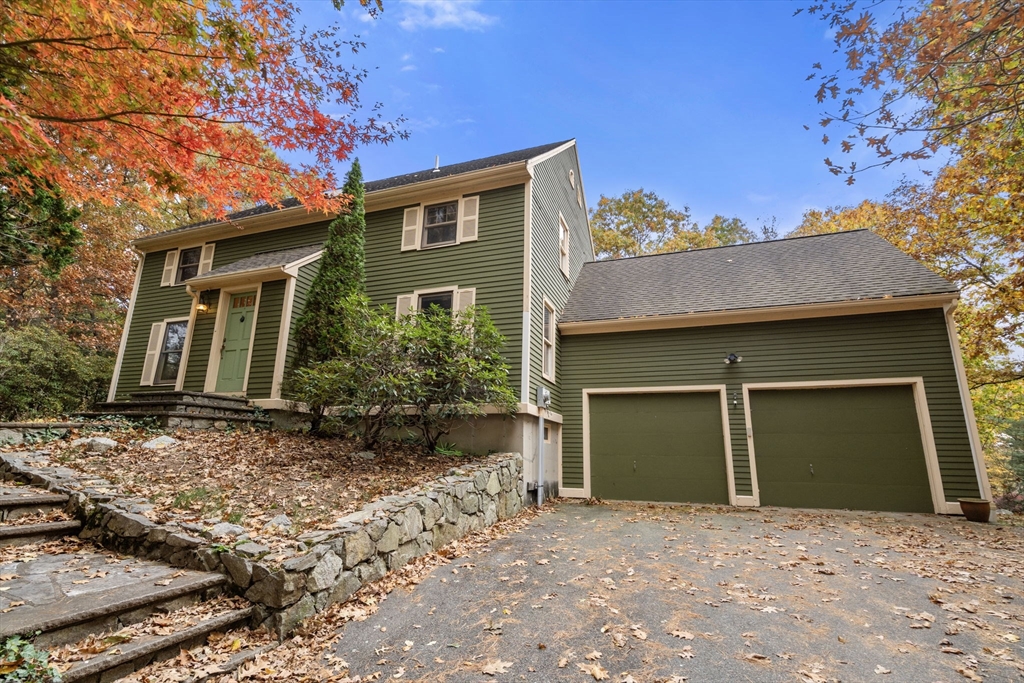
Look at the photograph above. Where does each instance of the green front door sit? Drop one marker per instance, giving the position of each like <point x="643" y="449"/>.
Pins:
<point x="854" y="448"/>
<point x="234" y="354"/>
<point x="658" y="447"/>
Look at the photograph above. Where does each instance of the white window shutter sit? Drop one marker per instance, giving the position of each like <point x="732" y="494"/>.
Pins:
<point x="170" y="260"/>
<point x="464" y="299"/>
<point x="403" y="306"/>
<point x="411" y="229"/>
<point x="206" y="260"/>
<point x="469" y="211"/>
<point x="156" y="339"/>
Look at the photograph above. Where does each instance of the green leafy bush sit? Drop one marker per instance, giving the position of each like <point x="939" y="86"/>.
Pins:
<point x="423" y="372"/>
<point x="44" y="374"/>
<point x="21" y="661"/>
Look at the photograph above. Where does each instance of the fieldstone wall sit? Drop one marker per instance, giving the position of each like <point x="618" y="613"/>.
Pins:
<point x="332" y="564"/>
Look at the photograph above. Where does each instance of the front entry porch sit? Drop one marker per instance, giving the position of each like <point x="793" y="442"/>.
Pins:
<point x="186" y="410"/>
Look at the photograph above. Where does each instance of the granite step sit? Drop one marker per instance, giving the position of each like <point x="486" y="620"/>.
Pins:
<point x="128" y="657"/>
<point x="40" y="532"/>
<point x="70" y="589"/>
<point x="22" y="501"/>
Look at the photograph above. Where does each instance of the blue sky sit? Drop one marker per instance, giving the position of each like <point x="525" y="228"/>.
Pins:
<point x="701" y="102"/>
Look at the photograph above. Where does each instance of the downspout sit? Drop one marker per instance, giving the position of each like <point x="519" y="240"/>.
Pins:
<point x="543" y="402"/>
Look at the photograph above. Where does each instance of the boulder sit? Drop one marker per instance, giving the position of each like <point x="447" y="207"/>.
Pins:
<point x="358" y="547"/>
<point x="11" y="437"/>
<point x="250" y="549"/>
<point x="224" y="530"/>
<point x="128" y="525"/>
<point x="239" y="569"/>
<point x="346" y="585"/>
<point x="278" y="590"/>
<point x="325" y="573"/>
<point x="279" y="523"/>
<point x="160" y="443"/>
<point x="390" y="539"/>
<point x="95" y="444"/>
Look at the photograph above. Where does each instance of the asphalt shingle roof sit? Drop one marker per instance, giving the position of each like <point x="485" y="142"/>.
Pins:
<point x="266" y="259"/>
<point x="790" y="272"/>
<point x="505" y="159"/>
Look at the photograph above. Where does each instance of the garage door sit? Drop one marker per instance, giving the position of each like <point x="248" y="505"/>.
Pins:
<point x="854" y="448"/>
<point x="658" y="447"/>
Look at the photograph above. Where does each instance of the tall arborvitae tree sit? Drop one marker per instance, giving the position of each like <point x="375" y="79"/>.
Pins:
<point x="342" y="273"/>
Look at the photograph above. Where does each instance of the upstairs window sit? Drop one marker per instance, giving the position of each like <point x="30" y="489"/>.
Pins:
<point x="563" y="244"/>
<point x="188" y="264"/>
<point x="441" y="224"/>
<point x="549" y="342"/>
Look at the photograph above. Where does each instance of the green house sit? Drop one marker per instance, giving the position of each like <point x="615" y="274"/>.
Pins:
<point x="813" y="372"/>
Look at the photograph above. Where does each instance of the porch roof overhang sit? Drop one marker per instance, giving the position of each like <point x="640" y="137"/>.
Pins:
<point x="273" y="265"/>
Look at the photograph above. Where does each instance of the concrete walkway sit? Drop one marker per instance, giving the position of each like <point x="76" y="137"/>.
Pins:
<point x="653" y="593"/>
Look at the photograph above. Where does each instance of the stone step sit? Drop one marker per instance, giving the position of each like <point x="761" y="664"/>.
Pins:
<point x="27" y="534"/>
<point x="190" y="397"/>
<point x="66" y="594"/>
<point x="17" y="502"/>
<point x="131" y="656"/>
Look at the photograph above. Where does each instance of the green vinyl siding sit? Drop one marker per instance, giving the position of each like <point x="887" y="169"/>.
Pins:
<point x="153" y="304"/>
<point x="552" y="194"/>
<point x="905" y="344"/>
<point x="857" y="448"/>
<point x="237" y="248"/>
<point x="199" y="349"/>
<point x="264" y="343"/>
<point x="658" y="447"/>
<point x="302" y="284"/>
<point x="493" y="264"/>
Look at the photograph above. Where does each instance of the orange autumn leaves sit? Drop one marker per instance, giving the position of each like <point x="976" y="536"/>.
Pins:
<point x="144" y="100"/>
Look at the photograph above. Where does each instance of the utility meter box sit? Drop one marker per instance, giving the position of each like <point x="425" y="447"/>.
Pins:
<point x="543" y="397"/>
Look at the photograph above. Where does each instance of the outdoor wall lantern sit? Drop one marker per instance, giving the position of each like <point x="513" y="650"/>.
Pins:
<point x="732" y="358"/>
<point x="204" y="303"/>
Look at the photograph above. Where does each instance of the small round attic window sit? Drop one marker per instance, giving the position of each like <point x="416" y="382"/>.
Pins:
<point x="572" y="178"/>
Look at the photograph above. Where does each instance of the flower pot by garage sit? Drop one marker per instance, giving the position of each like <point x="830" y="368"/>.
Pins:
<point x="975" y="509"/>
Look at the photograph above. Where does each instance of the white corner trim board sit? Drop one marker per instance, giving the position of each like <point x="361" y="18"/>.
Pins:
<point x="923" y="420"/>
<point x="585" y="492"/>
<point x="112" y="393"/>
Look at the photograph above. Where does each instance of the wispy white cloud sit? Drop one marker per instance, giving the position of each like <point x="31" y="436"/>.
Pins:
<point x="760" y="198"/>
<point x="409" y="67"/>
<point x="460" y="14"/>
<point x="437" y="50"/>
<point x="406" y="57"/>
<point x="464" y="121"/>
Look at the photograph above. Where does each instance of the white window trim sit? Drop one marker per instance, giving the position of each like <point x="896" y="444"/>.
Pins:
<point x="150" y="381"/>
<point x="550" y="376"/>
<point x="455" y="291"/>
<point x="460" y="237"/>
<point x="564" y="245"/>
<point x="220" y="327"/>
<point x="205" y="264"/>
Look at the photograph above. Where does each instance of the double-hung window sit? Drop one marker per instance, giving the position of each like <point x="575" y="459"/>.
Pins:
<point x="441" y="224"/>
<point x="188" y="264"/>
<point x="549" y="342"/>
<point x="169" y="362"/>
<point x="438" y="301"/>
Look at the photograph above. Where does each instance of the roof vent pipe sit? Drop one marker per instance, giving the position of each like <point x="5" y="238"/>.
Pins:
<point x="437" y="163"/>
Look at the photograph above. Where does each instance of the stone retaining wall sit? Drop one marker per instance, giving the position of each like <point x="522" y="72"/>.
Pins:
<point x="333" y="564"/>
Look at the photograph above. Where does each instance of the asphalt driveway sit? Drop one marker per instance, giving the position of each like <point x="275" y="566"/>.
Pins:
<point x="624" y="592"/>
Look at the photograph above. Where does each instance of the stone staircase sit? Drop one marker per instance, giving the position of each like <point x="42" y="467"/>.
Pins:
<point x="186" y="410"/>
<point x="102" y="615"/>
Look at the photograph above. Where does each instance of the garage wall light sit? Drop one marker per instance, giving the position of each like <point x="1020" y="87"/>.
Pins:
<point x="733" y="358"/>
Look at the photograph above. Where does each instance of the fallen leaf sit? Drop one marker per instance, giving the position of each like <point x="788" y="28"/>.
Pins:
<point x="685" y="635"/>
<point x="687" y="652"/>
<point x="495" y="667"/>
<point x="969" y="675"/>
<point x="882" y="670"/>
<point x="596" y="670"/>
<point x="755" y="657"/>
<point x="593" y="656"/>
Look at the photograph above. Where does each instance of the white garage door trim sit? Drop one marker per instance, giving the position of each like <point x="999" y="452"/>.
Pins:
<point x="702" y="388"/>
<point x="924" y="424"/>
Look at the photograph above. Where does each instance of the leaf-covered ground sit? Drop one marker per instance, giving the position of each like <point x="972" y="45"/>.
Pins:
<point x="624" y="592"/>
<point x="248" y="478"/>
